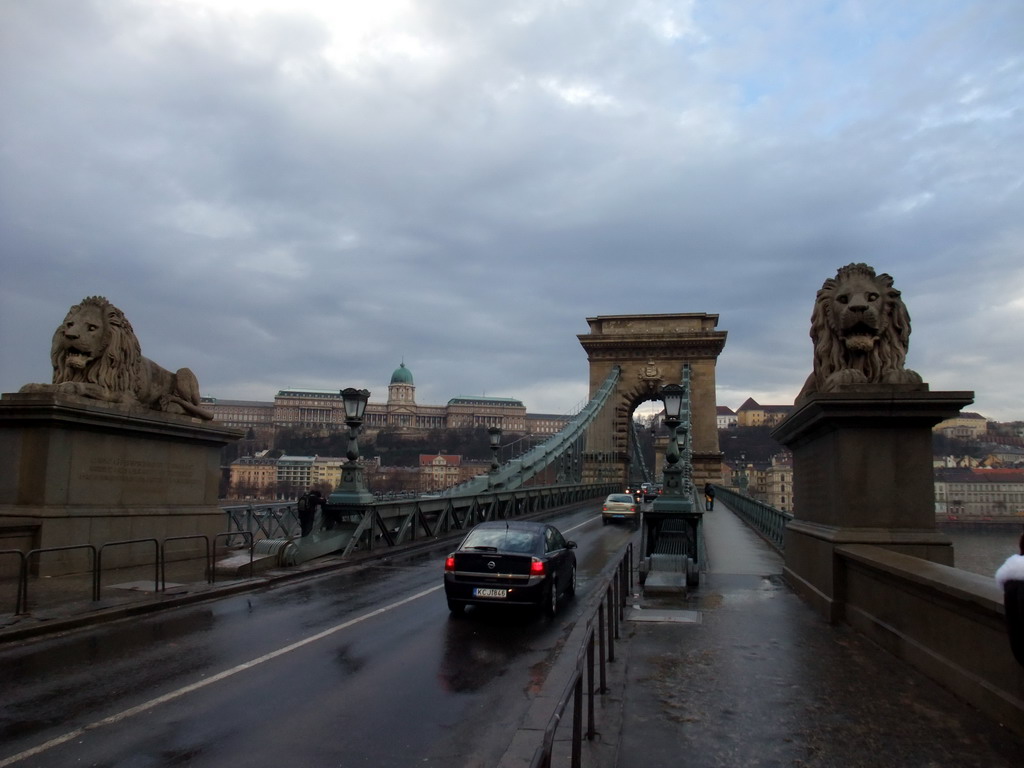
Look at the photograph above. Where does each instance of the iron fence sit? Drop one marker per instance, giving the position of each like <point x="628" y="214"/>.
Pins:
<point x="265" y="521"/>
<point x="92" y="590"/>
<point x="597" y="649"/>
<point x="763" y="518"/>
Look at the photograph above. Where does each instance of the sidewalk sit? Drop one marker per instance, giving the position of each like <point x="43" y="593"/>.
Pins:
<point x="744" y="674"/>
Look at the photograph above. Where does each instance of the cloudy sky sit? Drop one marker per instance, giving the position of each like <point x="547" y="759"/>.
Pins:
<point x="305" y="194"/>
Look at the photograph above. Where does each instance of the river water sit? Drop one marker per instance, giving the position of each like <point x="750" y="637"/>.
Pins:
<point x="982" y="549"/>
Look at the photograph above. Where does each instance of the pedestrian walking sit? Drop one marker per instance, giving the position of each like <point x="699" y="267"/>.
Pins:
<point x="1010" y="578"/>
<point x="709" y="496"/>
<point x="307" y="504"/>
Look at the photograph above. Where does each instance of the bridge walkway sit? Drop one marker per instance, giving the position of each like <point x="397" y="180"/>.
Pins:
<point x="741" y="672"/>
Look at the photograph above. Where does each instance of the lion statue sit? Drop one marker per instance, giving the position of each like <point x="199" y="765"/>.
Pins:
<point x="861" y="330"/>
<point x="96" y="355"/>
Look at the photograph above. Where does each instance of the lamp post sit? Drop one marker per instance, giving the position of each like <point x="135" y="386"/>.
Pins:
<point x="743" y="480"/>
<point x="675" y="496"/>
<point x="351" y="493"/>
<point x="674" y="509"/>
<point x="494" y="437"/>
<point x="672" y="397"/>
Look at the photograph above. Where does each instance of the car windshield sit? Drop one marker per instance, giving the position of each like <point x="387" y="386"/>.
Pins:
<point x="620" y="497"/>
<point x="501" y="539"/>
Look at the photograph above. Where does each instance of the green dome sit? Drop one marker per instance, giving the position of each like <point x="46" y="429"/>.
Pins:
<point x="402" y="375"/>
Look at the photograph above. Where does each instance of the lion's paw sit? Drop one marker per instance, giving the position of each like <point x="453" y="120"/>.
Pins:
<point x="901" y="376"/>
<point x="844" y="376"/>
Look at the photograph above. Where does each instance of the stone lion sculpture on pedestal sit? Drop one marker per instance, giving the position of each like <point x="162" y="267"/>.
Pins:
<point x="861" y="331"/>
<point x="96" y="355"/>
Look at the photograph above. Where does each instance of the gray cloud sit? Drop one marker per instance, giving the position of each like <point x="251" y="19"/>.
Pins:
<point x="275" y="200"/>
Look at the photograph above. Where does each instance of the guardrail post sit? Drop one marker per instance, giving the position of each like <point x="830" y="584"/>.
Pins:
<point x="591" y="727"/>
<point x="207" y="556"/>
<point x="612" y="630"/>
<point x="92" y="567"/>
<point x="99" y="563"/>
<point x="577" y="724"/>
<point x="22" y="576"/>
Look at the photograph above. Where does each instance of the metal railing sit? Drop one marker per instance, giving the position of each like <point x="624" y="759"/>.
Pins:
<point x="20" y="599"/>
<point x="391" y="524"/>
<point x="596" y="650"/>
<point x="269" y="521"/>
<point x="95" y="571"/>
<point x="763" y="518"/>
<point x="398" y="522"/>
<point x="156" y="561"/>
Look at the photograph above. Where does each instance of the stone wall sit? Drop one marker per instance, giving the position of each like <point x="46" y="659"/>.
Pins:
<point x="947" y="622"/>
<point x="79" y="474"/>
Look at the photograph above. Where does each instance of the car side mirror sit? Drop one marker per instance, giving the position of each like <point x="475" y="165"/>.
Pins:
<point x="570" y="545"/>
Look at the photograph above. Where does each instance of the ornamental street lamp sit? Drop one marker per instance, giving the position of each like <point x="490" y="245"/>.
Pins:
<point x="351" y="494"/>
<point x="674" y="511"/>
<point x="672" y="396"/>
<point x="494" y="436"/>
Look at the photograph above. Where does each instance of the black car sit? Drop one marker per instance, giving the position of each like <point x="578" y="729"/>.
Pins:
<point x="511" y="563"/>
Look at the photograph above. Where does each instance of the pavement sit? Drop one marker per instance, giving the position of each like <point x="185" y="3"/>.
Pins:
<point x="737" y="672"/>
<point x="740" y="672"/>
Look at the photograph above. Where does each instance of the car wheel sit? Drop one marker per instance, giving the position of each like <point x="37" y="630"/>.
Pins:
<point x="551" y="601"/>
<point x="455" y="608"/>
<point x="571" y="589"/>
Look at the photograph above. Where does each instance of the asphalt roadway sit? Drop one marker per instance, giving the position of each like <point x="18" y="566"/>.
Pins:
<point x="740" y="672"/>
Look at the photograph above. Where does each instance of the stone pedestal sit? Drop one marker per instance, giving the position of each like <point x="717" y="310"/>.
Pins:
<point x="81" y="473"/>
<point x="862" y="474"/>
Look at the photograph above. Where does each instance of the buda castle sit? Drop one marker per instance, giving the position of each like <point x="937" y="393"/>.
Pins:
<point x="323" y="410"/>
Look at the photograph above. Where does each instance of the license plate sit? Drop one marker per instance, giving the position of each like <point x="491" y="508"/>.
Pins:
<point x="489" y="592"/>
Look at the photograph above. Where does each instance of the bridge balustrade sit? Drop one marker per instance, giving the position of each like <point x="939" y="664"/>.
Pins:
<point x="763" y="518"/>
<point x="270" y="521"/>
<point x="596" y="649"/>
<point x="400" y="522"/>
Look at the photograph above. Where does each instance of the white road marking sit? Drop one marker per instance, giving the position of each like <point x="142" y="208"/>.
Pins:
<point x="567" y="530"/>
<point x="132" y="711"/>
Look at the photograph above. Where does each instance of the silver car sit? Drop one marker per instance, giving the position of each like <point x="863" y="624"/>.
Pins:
<point x="621" y="506"/>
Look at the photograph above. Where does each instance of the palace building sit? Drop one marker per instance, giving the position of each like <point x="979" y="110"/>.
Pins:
<point x="313" y="409"/>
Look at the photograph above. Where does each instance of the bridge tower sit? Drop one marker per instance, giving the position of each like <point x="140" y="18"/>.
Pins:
<point x="651" y="351"/>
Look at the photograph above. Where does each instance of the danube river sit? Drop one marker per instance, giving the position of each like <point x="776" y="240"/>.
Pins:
<point x="982" y="549"/>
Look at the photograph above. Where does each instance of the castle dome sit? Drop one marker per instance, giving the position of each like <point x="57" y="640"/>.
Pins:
<point x="402" y="375"/>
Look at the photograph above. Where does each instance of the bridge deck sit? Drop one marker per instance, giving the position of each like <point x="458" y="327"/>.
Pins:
<point x="753" y="677"/>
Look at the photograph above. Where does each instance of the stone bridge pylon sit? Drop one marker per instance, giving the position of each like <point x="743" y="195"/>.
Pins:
<point x="651" y="351"/>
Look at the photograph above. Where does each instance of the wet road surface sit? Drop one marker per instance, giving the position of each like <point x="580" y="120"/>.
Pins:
<point x="360" y="667"/>
<point x="759" y="679"/>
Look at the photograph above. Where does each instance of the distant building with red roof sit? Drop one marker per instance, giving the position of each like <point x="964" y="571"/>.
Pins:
<point x="439" y="472"/>
<point x="753" y="414"/>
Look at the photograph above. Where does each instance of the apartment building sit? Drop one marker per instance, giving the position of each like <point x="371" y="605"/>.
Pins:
<point x="979" y="494"/>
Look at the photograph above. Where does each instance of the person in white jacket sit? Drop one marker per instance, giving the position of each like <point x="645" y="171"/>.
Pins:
<point x="1010" y="578"/>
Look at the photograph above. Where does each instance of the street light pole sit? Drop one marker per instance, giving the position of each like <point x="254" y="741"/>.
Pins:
<point x="494" y="436"/>
<point x="672" y="395"/>
<point x="674" y="509"/>
<point x="352" y="496"/>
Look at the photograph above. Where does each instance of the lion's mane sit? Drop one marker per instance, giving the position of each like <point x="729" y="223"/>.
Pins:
<point x="875" y="357"/>
<point x="117" y="367"/>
